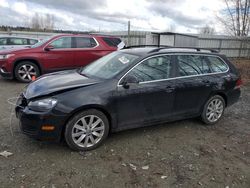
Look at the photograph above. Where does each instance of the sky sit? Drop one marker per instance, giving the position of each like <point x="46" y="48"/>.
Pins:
<point x="184" y="16"/>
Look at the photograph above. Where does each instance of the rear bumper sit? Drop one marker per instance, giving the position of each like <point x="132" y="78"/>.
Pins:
<point x="233" y="96"/>
<point x="5" y="74"/>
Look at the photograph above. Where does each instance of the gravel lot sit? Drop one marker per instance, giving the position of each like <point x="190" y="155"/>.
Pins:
<point x="180" y="154"/>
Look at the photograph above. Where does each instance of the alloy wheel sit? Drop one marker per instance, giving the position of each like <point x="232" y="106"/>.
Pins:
<point x="88" y="131"/>
<point x="214" y="110"/>
<point x="26" y="72"/>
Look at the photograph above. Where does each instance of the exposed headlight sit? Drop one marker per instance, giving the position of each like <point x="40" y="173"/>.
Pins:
<point x="6" y="56"/>
<point x="42" y="105"/>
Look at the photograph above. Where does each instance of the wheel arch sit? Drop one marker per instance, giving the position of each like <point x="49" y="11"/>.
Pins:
<point x="88" y="107"/>
<point x="204" y="108"/>
<point x="35" y="61"/>
<point x="223" y="95"/>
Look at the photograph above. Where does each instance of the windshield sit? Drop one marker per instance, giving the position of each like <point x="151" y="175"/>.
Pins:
<point x="109" y="65"/>
<point x="40" y="43"/>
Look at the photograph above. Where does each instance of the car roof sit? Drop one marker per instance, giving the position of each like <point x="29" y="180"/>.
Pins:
<point x="146" y="51"/>
<point x="138" y="51"/>
<point x="18" y="37"/>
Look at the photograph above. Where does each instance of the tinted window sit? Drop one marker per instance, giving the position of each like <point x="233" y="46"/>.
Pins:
<point x="217" y="65"/>
<point x="64" y="42"/>
<point x="33" y="41"/>
<point x="85" y="42"/>
<point x="112" y="41"/>
<point x="192" y="65"/>
<point x="18" y="41"/>
<point x="3" y="41"/>
<point x="155" y="68"/>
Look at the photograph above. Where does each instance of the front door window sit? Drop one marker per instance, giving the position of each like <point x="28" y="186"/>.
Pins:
<point x="64" y="42"/>
<point x="156" y="68"/>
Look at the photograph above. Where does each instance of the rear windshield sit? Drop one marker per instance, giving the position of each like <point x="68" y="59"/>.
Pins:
<point x="113" y="42"/>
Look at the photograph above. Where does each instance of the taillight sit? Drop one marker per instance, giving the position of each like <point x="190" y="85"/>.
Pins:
<point x="239" y="83"/>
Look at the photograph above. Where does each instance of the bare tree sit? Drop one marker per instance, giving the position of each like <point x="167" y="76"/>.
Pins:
<point x="42" y="22"/>
<point x="35" y="23"/>
<point x="207" y="30"/>
<point x="49" y="22"/>
<point x="236" y="17"/>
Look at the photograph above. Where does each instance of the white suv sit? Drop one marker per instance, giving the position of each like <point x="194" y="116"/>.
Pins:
<point x="7" y="42"/>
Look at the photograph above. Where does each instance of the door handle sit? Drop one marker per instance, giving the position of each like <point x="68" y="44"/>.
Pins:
<point x="206" y="81"/>
<point x="169" y="89"/>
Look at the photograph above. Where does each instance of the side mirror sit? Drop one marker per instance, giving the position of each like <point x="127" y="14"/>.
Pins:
<point x="129" y="80"/>
<point x="49" y="47"/>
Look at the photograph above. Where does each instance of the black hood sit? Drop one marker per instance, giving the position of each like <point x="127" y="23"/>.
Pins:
<point x="56" y="82"/>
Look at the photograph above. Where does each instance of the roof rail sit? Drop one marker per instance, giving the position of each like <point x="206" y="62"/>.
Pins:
<point x="162" y="47"/>
<point x="194" y="48"/>
<point x="143" y="46"/>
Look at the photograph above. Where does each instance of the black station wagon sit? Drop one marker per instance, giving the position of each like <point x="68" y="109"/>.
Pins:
<point x="130" y="88"/>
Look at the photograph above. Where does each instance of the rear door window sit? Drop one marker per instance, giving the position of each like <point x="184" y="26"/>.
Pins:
<point x="113" y="42"/>
<point x="3" y="41"/>
<point x="189" y="65"/>
<point x="64" y="42"/>
<point x="18" y="41"/>
<point x="156" y="68"/>
<point x="85" y="42"/>
<point x="217" y="65"/>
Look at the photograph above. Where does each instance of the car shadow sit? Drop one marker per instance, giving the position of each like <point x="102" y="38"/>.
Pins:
<point x="136" y="134"/>
<point x="157" y="128"/>
<point x="123" y="136"/>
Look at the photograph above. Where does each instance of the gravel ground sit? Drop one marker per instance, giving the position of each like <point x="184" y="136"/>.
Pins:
<point x="180" y="154"/>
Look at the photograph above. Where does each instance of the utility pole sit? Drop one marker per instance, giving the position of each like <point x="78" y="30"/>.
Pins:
<point x="128" y="33"/>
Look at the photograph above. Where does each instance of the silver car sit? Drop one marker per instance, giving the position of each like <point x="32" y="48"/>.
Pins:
<point x="7" y="42"/>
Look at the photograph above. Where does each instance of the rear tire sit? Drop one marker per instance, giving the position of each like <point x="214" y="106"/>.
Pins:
<point x="213" y="110"/>
<point x="86" y="130"/>
<point x="25" y="70"/>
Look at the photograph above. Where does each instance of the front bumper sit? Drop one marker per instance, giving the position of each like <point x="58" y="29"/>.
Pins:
<point x="5" y="74"/>
<point x="31" y="123"/>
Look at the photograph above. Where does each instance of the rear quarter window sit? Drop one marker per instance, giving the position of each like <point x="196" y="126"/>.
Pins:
<point x="113" y="42"/>
<point x="217" y="65"/>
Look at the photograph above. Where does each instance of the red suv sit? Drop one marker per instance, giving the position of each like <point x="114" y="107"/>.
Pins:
<point x="60" y="52"/>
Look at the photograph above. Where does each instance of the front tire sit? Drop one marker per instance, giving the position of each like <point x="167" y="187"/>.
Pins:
<point x="213" y="110"/>
<point x="25" y="70"/>
<point x="86" y="130"/>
